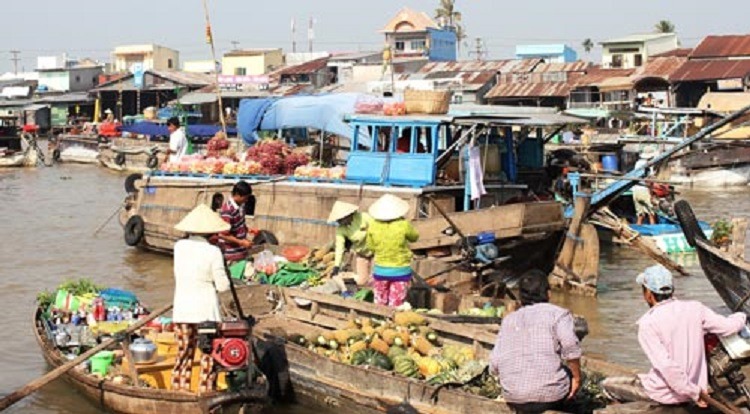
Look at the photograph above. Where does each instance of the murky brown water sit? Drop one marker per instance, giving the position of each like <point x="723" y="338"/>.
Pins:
<point x="48" y="217"/>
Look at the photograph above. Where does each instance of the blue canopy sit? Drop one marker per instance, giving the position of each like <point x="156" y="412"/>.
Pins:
<point x="323" y="112"/>
<point x="155" y="130"/>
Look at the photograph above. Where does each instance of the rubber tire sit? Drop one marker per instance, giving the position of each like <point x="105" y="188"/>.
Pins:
<point x="56" y="154"/>
<point x="130" y="183"/>
<point x="265" y="237"/>
<point x="133" y="230"/>
<point x="101" y="139"/>
<point x="120" y="159"/>
<point x="688" y="222"/>
<point x="152" y="162"/>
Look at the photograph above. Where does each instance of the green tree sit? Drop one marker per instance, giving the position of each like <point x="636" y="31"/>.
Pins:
<point x="587" y="44"/>
<point x="447" y="13"/>
<point x="664" y="26"/>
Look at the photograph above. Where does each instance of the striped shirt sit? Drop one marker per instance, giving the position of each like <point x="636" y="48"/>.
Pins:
<point x="235" y="216"/>
<point x="531" y="345"/>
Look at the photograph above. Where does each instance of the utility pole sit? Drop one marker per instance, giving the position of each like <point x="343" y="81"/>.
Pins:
<point x="479" y="51"/>
<point x="294" y="35"/>
<point x="235" y="44"/>
<point x="15" y="59"/>
<point x="310" y="34"/>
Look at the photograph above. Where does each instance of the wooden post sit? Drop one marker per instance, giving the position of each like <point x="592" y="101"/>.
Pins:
<point x="132" y="369"/>
<point x="562" y="276"/>
<point x="739" y="232"/>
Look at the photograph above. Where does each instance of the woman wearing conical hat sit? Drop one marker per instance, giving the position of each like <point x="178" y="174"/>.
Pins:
<point x="351" y="232"/>
<point x="388" y="238"/>
<point x="198" y="273"/>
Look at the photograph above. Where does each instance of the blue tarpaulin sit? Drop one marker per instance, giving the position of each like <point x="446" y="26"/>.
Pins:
<point x="155" y="130"/>
<point x="323" y="112"/>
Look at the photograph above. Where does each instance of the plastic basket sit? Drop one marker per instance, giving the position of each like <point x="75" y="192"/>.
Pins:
<point x="101" y="361"/>
<point x="426" y="102"/>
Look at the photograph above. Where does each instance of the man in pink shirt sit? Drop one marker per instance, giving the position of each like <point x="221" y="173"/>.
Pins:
<point x="671" y="335"/>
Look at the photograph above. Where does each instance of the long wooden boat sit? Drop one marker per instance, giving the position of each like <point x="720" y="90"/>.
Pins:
<point x="127" y="399"/>
<point x="728" y="274"/>
<point x="78" y="148"/>
<point x="316" y="379"/>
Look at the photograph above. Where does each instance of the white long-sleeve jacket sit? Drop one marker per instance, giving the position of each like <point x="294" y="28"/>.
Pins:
<point x="198" y="273"/>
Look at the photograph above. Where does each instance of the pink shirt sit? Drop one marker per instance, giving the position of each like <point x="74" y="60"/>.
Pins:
<point x="671" y="334"/>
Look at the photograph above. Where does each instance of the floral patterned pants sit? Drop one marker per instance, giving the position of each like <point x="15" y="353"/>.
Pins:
<point x="183" y="364"/>
<point x="390" y="293"/>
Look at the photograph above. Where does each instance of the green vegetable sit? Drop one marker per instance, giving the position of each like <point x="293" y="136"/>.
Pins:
<point x="80" y="287"/>
<point x="45" y="298"/>
<point x="365" y="295"/>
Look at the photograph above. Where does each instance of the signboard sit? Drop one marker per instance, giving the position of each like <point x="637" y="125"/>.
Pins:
<point x="243" y="80"/>
<point x="729" y="84"/>
<point x="137" y="71"/>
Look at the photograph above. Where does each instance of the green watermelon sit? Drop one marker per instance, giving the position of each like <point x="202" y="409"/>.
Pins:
<point x="372" y="358"/>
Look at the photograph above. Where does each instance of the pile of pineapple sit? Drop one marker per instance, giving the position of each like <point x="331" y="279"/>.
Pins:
<point x="406" y="345"/>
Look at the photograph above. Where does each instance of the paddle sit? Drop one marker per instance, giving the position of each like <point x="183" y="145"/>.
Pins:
<point x="29" y="388"/>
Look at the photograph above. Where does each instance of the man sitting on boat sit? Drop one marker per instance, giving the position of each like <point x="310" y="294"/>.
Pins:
<point x="351" y="232"/>
<point x="671" y="334"/>
<point x="530" y="349"/>
<point x="199" y="273"/>
<point x="234" y="242"/>
<point x="388" y="238"/>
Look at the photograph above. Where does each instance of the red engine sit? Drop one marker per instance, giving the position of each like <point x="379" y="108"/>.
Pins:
<point x="227" y="343"/>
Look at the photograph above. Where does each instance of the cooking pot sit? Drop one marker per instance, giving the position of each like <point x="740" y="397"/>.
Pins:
<point x="143" y="350"/>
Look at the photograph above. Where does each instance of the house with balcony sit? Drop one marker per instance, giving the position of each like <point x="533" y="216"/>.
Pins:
<point x="150" y="56"/>
<point x="415" y="35"/>
<point x="634" y="51"/>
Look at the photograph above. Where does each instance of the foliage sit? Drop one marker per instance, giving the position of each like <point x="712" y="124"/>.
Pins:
<point x="722" y="231"/>
<point x="45" y="298"/>
<point x="591" y="395"/>
<point x="664" y="26"/>
<point x="80" y="287"/>
<point x="587" y="44"/>
<point x="447" y="11"/>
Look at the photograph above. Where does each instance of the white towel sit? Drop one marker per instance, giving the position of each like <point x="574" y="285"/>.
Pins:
<point x="476" y="175"/>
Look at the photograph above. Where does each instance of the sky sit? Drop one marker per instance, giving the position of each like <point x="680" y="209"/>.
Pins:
<point x="88" y="28"/>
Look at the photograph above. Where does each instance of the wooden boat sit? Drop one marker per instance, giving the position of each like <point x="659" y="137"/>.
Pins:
<point x="77" y="148"/>
<point x="321" y="381"/>
<point x="728" y="273"/>
<point x="132" y="155"/>
<point x="127" y="399"/>
<point x="16" y="151"/>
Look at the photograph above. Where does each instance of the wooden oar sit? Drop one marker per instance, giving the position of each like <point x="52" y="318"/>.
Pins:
<point x="29" y="388"/>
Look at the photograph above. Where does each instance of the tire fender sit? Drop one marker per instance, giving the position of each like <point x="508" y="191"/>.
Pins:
<point x="130" y="183"/>
<point x="120" y="158"/>
<point x="152" y="162"/>
<point x="134" y="229"/>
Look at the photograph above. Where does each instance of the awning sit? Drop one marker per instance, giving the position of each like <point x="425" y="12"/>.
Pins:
<point x="593" y="113"/>
<point x="198" y="98"/>
<point x="620" y="83"/>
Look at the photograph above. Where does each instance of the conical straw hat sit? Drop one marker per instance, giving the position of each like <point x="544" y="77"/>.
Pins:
<point x="202" y="220"/>
<point x="389" y="208"/>
<point x="340" y="210"/>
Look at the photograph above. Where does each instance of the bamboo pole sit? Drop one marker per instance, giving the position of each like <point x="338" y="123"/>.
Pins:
<point x="210" y="39"/>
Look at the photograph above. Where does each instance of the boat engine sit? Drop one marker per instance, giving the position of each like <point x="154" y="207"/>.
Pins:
<point x="483" y="248"/>
<point x="726" y="358"/>
<point x="227" y="342"/>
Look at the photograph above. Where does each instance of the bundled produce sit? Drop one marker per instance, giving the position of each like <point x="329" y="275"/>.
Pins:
<point x="394" y="109"/>
<point x="276" y="157"/>
<point x="217" y="146"/>
<point x="722" y="232"/>
<point x="310" y="171"/>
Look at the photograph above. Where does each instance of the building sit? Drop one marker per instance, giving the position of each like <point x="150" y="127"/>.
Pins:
<point x="199" y="66"/>
<point x="559" y="53"/>
<point x="412" y="34"/>
<point x="314" y="73"/>
<point x="718" y="64"/>
<point x="151" y="56"/>
<point x="537" y="83"/>
<point x="634" y="51"/>
<point x="60" y="74"/>
<point x="251" y="61"/>
<point x="343" y="66"/>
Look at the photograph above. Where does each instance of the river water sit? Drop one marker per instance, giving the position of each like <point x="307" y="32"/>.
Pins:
<point x="49" y="216"/>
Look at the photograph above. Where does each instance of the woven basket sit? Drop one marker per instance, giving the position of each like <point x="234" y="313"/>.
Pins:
<point x="426" y="102"/>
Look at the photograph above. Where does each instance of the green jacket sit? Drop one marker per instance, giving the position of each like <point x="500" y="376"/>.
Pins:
<point x="389" y="242"/>
<point x="356" y="232"/>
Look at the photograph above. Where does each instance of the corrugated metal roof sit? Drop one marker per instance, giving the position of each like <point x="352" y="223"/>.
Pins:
<point x="303" y="68"/>
<point x="597" y="75"/>
<point x="577" y="66"/>
<point x="250" y="52"/>
<point x="528" y="90"/>
<point x="73" y="97"/>
<point x="679" y="52"/>
<point x="508" y="65"/>
<point x="722" y="46"/>
<point x="660" y="67"/>
<point x="190" y="79"/>
<point x="703" y="70"/>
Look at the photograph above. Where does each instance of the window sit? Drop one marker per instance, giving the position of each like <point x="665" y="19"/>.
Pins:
<point x="417" y="45"/>
<point x="240" y="71"/>
<point x="78" y="79"/>
<point x="170" y="64"/>
<point x="638" y="60"/>
<point x="616" y="61"/>
<point x="400" y="46"/>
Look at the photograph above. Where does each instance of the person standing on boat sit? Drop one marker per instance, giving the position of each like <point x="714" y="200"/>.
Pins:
<point x="671" y="334"/>
<point x="199" y="274"/>
<point x="178" y="143"/>
<point x="641" y="194"/>
<point x="351" y="232"/>
<point x="388" y="238"/>
<point x="234" y="242"/>
<point x="537" y="353"/>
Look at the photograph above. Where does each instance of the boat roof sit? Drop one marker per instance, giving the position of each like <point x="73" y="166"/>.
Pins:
<point x="472" y="117"/>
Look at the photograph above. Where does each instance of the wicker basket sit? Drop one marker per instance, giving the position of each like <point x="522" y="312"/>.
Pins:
<point x="426" y="102"/>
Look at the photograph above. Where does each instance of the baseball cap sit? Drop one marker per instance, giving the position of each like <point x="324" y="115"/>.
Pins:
<point x="657" y="279"/>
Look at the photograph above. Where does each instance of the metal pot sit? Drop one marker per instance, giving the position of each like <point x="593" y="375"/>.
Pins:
<point x="143" y="350"/>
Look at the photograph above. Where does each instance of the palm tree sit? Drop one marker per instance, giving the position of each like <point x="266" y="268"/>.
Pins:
<point x="447" y="12"/>
<point x="587" y="45"/>
<point x="664" y="26"/>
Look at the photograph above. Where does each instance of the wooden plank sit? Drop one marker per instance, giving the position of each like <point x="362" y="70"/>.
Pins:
<point x="739" y="234"/>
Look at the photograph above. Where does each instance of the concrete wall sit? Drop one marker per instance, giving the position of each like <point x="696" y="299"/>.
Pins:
<point x="83" y="79"/>
<point x="55" y="80"/>
<point x="661" y="45"/>
<point x="645" y="49"/>
<point x="151" y="56"/>
<point x="198" y="66"/>
<point x="254" y="65"/>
